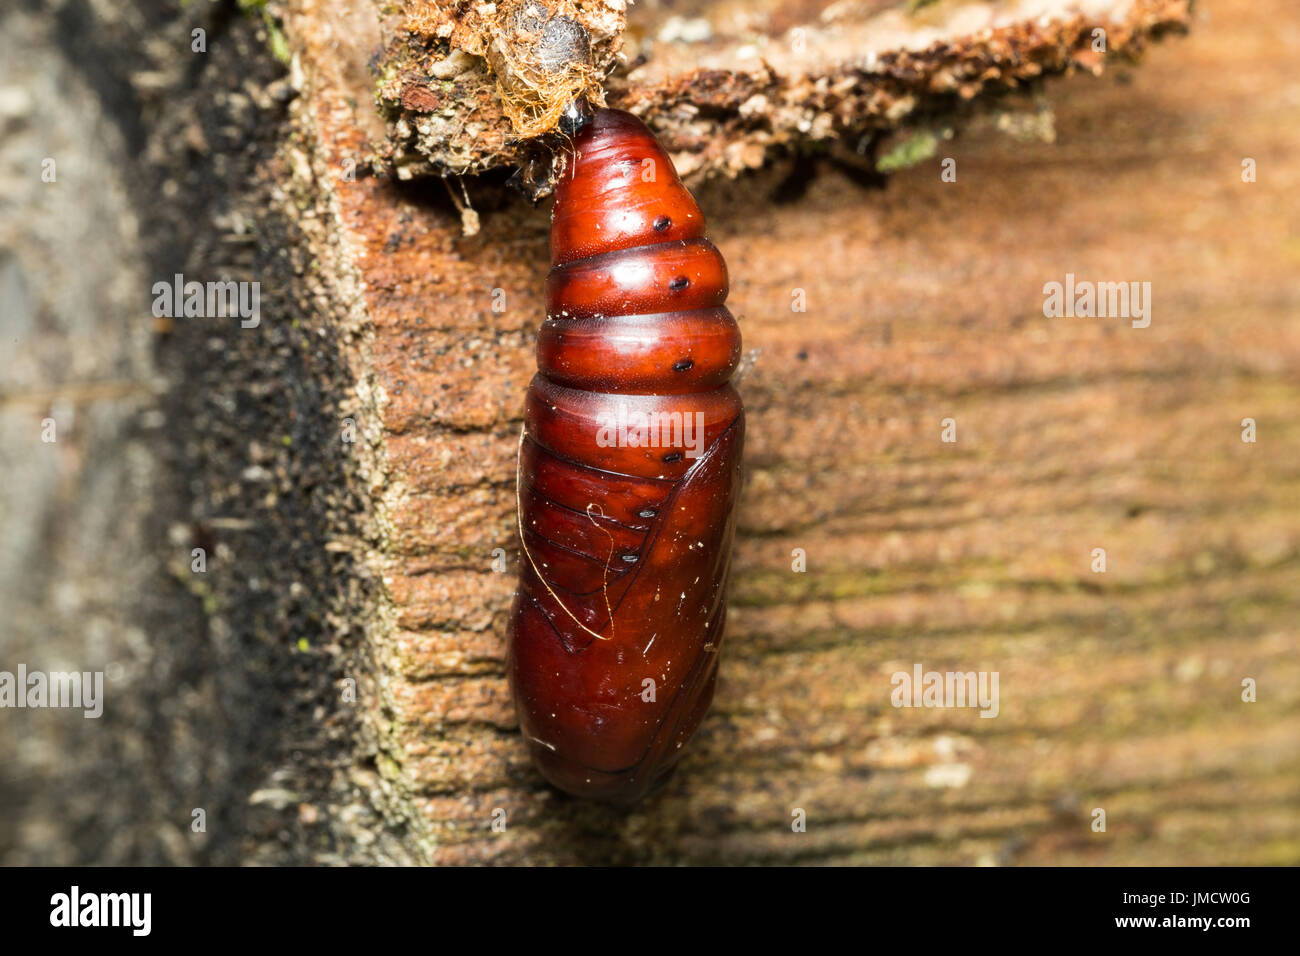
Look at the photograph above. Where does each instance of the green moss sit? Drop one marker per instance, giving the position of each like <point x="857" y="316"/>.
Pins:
<point x="275" y="38"/>
<point x="917" y="148"/>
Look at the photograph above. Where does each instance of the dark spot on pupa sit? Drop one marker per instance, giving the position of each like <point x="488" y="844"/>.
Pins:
<point x="679" y="283"/>
<point x="683" y="365"/>
<point x="673" y="456"/>
<point x="662" y="223"/>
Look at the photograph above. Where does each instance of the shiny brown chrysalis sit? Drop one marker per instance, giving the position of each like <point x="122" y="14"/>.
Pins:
<point x="629" y="472"/>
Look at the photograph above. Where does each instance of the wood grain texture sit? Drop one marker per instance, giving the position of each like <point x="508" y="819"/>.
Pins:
<point x="1118" y="691"/>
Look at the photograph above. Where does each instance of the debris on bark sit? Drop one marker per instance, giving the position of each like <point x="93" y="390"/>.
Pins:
<point x="462" y="94"/>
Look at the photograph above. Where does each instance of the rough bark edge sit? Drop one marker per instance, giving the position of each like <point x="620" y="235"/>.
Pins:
<point x="444" y="116"/>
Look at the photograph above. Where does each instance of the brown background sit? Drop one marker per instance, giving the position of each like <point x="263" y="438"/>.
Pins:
<point x="372" y="561"/>
<point x="1119" y="691"/>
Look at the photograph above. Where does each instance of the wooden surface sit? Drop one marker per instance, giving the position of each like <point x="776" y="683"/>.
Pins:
<point x="372" y="561"/>
<point x="1118" y="690"/>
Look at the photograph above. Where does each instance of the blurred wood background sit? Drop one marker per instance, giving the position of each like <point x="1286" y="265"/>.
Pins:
<point x="1119" y="690"/>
